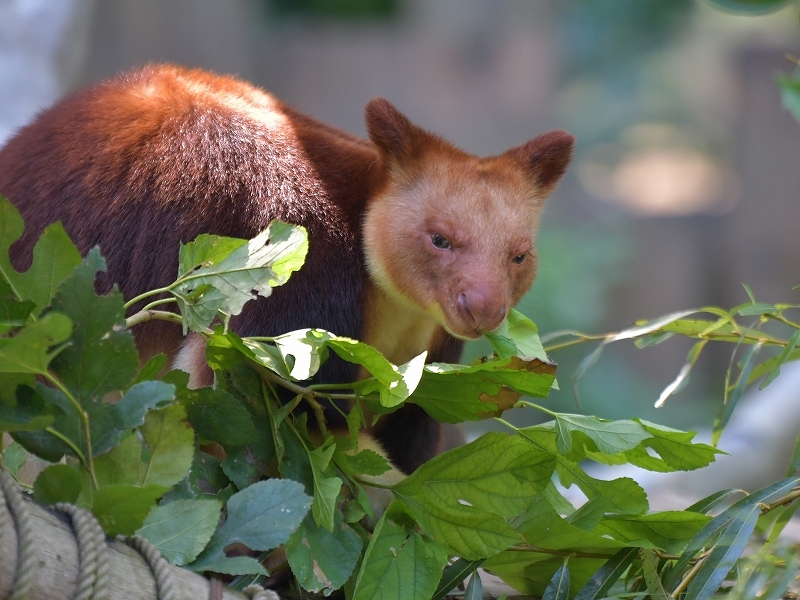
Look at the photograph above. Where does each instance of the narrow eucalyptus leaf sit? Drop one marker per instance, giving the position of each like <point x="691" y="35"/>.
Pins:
<point x="558" y="588"/>
<point x="454" y="575"/>
<point x="607" y="575"/>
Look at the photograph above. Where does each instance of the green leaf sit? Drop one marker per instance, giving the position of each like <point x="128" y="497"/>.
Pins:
<point x="732" y="398"/>
<point x="54" y="258"/>
<point x="261" y="517"/>
<point x="716" y="499"/>
<point x="456" y="393"/>
<point x="670" y="450"/>
<point x="215" y="414"/>
<point x="606" y="576"/>
<point x="57" y="483"/>
<point x="171" y="447"/>
<point x="543" y="527"/>
<point x="721" y="522"/>
<point x="14" y="456"/>
<point x="651" y="578"/>
<point x="726" y="552"/>
<point x="31" y="413"/>
<point x="558" y="588"/>
<point x="151" y="369"/>
<point x="237" y="565"/>
<point x="326" y="485"/>
<point x="262" y="263"/>
<point x="463" y="497"/>
<point x="790" y="94"/>
<point x="366" y="462"/>
<point x="517" y="336"/>
<point x="610" y="437"/>
<point x="238" y="468"/>
<point x="109" y="423"/>
<point x="121" y="509"/>
<point x="121" y="465"/>
<point x="782" y="358"/>
<point x="181" y="529"/>
<point x="454" y="575"/>
<point x="749" y="7"/>
<point x="398" y="564"/>
<point x="321" y="560"/>
<point x="102" y="357"/>
<point x="668" y="531"/>
<point x="28" y="351"/>
<point x="474" y="589"/>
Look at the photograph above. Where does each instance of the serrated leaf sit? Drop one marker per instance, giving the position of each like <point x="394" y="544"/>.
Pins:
<point x="321" y="560"/>
<point x="102" y="357"/>
<point x="261" y="517"/>
<point x="264" y="262"/>
<point x="238" y="468"/>
<point x="215" y="414"/>
<point x="29" y="350"/>
<point x="109" y="423"/>
<point x="14" y="456"/>
<point x="366" y="462"/>
<point x="558" y="588"/>
<point x="674" y="450"/>
<point x="398" y="564"/>
<point x="181" y="529"/>
<point x="31" y="412"/>
<point x="326" y="486"/>
<point x="456" y="393"/>
<point x="607" y="575"/>
<point x="171" y="447"/>
<point x="651" y="578"/>
<point x="237" y="565"/>
<point x="543" y="527"/>
<point x="121" y="509"/>
<point x="668" y="531"/>
<point x="610" y="437"/>
<point x="517" y="336"/>
<point x="54" y="258"/>
<point x="57" y="483"/>
<point x="151" y="368"/>
<point x="120" y="466"/>
<point x="463" y="497"/>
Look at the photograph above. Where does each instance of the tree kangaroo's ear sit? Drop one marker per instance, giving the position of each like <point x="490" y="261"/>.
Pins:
<point x="392" y="132"/>
<point x="546" y="157"/>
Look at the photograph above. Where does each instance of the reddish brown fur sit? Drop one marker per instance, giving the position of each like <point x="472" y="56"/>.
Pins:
<point x="160" y="155"/>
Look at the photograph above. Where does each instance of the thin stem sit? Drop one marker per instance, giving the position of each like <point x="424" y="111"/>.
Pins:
<point x="787" y="499"/>
<point x="689" y="576"/>
<point x="140" y="297"/>
<point x="150" y="315"/>
<point x="68" y="442"/>
<point x="560" y="552"/>
<point x="159" y="302"/>
<point x="84" y="418"/>
<point x="537" y="407"/>
<point x="319" y="413"/>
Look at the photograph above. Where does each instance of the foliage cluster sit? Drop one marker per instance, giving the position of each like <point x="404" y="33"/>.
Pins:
<point x="127" y="442"/>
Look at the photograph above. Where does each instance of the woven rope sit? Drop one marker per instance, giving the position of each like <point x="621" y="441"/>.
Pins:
<point x="92" y="550"/>
<point x="23" y="578"/>
<point x="165" y="586"/>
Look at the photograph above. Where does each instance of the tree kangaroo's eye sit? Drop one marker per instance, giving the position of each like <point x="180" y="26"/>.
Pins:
<point x="440" y="241"/>
<point x="519" y="259"/>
